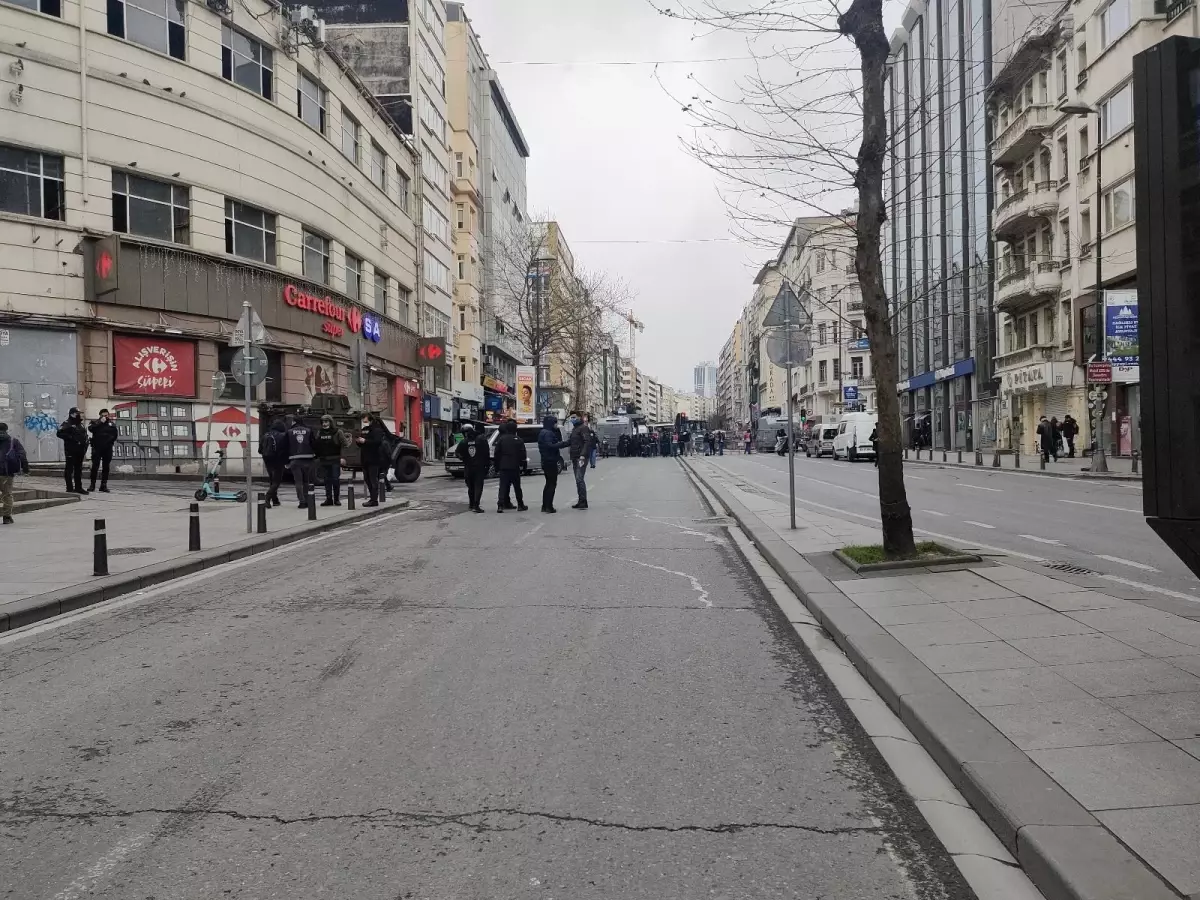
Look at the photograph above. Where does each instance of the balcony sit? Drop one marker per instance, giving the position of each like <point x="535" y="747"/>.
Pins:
<point x="1028" y="286"/>
<point x="1023" y="135"/>
<point x="1020" y="212"/>
<point x="503" y="342"/>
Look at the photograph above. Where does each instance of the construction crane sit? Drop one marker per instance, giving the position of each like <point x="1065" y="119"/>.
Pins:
<point x="634" y="327"/>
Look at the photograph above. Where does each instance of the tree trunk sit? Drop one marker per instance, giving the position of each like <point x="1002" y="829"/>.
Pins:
<point x="863" y="22"/>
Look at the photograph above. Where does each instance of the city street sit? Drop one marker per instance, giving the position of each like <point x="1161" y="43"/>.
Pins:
<point x="437" y="705"/>
<point x="1097" y="525"/>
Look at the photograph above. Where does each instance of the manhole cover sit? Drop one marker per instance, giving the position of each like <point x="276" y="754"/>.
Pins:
<point x="130" y="551"/>
<point x="1069" y="568"/>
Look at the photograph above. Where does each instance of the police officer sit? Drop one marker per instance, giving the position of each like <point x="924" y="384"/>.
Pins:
<point x="473" y="451"/>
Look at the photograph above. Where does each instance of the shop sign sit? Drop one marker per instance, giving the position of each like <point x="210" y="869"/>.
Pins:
<point x="1126" y="374"/>
<point x="495" y="384"/>
<point x="1121" y="343"/>
<point x="410" y="388"/>
<point x="154" y="366"/>
<point x="1100" y="372"/>
<point x="861" y="344"/>
<point x="431" y="351"/>
<point x="327" y="307"/>
<point x="371" y="329"/>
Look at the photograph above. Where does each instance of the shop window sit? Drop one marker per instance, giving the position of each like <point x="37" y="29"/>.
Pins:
<point x="351" y="137"/>
<point x="153" y="209"/>
<point x="310" y="101"/>
<point x="156" y="24"/>
<point x="49" y="7"/>
<point x="316" y="257"/>
<point x="234" y="392"/>
<point x="249" y="232"/>
<point x="354" y="278"/>
<point x="247" y="62"/>
<point x="31" y="184"/>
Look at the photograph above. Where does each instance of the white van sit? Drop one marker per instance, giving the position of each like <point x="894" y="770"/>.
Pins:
<point x="853" y="439"/>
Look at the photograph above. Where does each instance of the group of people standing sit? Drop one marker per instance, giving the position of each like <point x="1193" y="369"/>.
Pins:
<point x="511" y="459"/>
<point x="101" y="435"/>
<point x="1057" y="439"/>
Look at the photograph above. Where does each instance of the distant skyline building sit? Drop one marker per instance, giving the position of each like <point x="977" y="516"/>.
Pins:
<point x="705" y="379"/>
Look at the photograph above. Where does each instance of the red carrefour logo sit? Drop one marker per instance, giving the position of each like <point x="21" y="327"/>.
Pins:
<point x="431" y="353"/>
<point x="323" y="306"/>
<point x="104" y="264"/>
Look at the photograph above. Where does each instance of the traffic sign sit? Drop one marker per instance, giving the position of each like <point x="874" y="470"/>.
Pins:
<point x="219" y="382"/>
<point x="1099" y="372"/>
<point x="252" y="372"/>
<point x="258" y="331"/>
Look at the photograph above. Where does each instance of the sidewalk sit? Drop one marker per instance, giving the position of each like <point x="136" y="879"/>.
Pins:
<point x="1067" y="712"/>
<point x="1120" y="468"/>
<point x="147" y="531"/>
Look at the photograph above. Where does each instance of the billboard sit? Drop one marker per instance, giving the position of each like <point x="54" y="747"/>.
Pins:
<point x="154" y="366"/>
<point x="525" y="393"/>
<point x="1121" y="327"/>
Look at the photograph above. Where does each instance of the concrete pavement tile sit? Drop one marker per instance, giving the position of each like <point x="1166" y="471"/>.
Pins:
<point x="1085" y="863"/>
<point x="1152" y="643"/>
<point x="954" y="586"/>
<point x="962" y="831"/>
<point x="1120" y="776"/>
<point x="1121" y="678"/>
<point x="995" y="880"/>
<point x="1166" y="837"/>
<point x="875" y="585"/>
<point x="1047" y="625"/>
<point x="1171" y="716"/>
<point x="1077" y="601"/>
<point x="895" y="677"/>
<point x="1065" y="723"/>
<point x="1075" y="648"/>
<point x="1185" y="631"/>
<point x="1014" y="795"/>
<point x="842" y="623"/>
<point x="1192" y="747"/>
<point x="930" y="633"/>
<point x="1123" y="619"/>
<point x="954" y="732"/>
<point x="1037" y="584"/>
<point x="946" y="658"/>
<point x="1186" y="609"/>
<point x="884" y="599"/>
<point x="912" y="615"/>
<point x="1007" y="686"/>
<point x="1187" y="663"/>
<point x="996" y="606"/>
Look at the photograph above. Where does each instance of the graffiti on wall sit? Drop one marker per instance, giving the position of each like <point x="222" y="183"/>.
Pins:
<point x="40" y="423"/>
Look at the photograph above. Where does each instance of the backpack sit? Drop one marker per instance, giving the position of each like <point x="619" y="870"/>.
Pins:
<point x="10" y="463"/>
<point x="268" y="447"/>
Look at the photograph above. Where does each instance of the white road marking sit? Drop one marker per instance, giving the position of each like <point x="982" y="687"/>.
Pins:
<point x="696" y="585"/>
<point x="934" y="512"/>
<point x="1126" y="562"/>
<point x="86" y="883"/>
<point x="1102" y="506"/>
<point x="1142" y="586"/>
<point x="531" y="532"/>
<point x="709" y="538"/>
<point x="1040" y="540"/>
<point x="977" y="487"/>
<point x="977" y="524"/>
<point x="913" y="478"/>
<point x="831" y="484"/>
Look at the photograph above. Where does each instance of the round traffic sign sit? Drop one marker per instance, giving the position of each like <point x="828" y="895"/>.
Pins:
<point x="252" y="372"/>
<point x="219" y="383"/>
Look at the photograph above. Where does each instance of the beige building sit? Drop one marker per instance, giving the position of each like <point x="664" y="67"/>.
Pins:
<point x="731" y="396"/>
<point x="167" y="175"/>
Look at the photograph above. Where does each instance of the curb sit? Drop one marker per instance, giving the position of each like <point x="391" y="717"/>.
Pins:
<point x="987" y="467"/>
<point x="69" y="599"/>
<point x="1062" y="847"/>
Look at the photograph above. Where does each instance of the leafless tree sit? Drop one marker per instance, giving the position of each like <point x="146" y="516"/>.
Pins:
<point x="803" y="135"/>
<point x="595" y="300"/>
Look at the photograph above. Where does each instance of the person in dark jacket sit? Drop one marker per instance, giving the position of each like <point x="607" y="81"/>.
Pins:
<point x="75" y="443"/>
<point x="1070" y="428"/>
<point x="875" y="444"/>
<point x="373" y="439"/>
<point x="104" y="438"/>
<point x="273" y="448"/>
<point x="550" y="442"/>
<point x="473" y="451"/>
<point x="511" y="459"/>
<point x="328" y="444"/>
<point x="1046" y="439"/>
<point x="13" y="462"/>
<point x="300" y="458"/>
<point x="582" y="438"/>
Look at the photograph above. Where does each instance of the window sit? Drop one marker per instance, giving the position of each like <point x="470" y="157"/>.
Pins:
<point x="1081" y="61"/>
<point x="462" y="360"/>
<point x="249" y="232"/>
<point x="378" y="167"/>
<point x="1021" y="333"/>
<point x="152" y="209"/>
<point x="1118" y="205"/>
<point x="351" y="137"/>
<point x="837" y="369"/>
<point x="462" y="269"/>
<point x="1033" y="330"/>
<point x="435" y="223"/>
<point x="316" y="257"/>
<point x="1043" y="87"/>
<point x="435" y="323"/>
<point x="403" y="189"/>
<point x="1010" y="342"/>
<point x="272" y="389"/>
<point x="856" y="367"/>
<point x="404" y="298"/>
<point x="856" y="330"/>
<point x="462" y="316"/>
<point x="1085" y="228"/>
<point x="1048" y="316"/>
<point x="1114" y="22"/>
<point x="246" y="62"/>
<point x="381" y="292"/>
<point x="1061" y="67"/>
<point x="310" y="102"/>
<point x="460" y="216"/>
<point x="49" y="7"/>
<point x="157" y="24"/>
<point x="354" y="278"/>
<point x="1085" y="156"/>
<point x="436" y="274"/>
<point x="820" y="260"/>
<point x="1064" y="238"/>
<point x="1116" y="113"/>
<point x="821" y="334"/>
<point x="822" y="372"/>
<point x="1066" y="321"/>
<point x="431" y="118"/>
<point x="31" y="184"/>
<point x="435" y="173"/>
<point x="1064" y="159"/>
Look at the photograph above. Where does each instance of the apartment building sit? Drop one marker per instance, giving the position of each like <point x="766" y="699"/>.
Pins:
<point x="731" y="398"/>
<point x="166" y="172"/>
<point x="705" y="379"/>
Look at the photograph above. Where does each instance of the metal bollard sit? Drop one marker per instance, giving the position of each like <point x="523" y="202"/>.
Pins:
<point x="906" y="453"/>
<point x="312" y="505"/>
<point x="944" y="458"/>
<point x="960" y="457"/>
<point x="99" y="549"/>
<point x="350" y="498"/>
<point x="996" y="459"/>
<point x="1042" y="461"/>
<point x="262" y="513"/>
<point x="382" y="490"/>
<point x="1134" y="461"/>
<point x="194" y="528"/>
<point x="1016" y="459"/>
<point x="979" y="457"/>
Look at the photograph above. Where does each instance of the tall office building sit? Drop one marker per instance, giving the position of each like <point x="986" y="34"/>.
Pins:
<point x="937" y="248"/>
<point x="705" y="378"/>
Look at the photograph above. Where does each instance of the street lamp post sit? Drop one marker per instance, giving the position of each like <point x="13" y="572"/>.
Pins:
<point x="1099" y="458"/>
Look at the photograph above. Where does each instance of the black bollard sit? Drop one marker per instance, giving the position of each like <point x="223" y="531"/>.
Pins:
<point x="1134" y="463"/>
<point x="1042" y="461"/>
<point x="1016" y="459"/>
<point x="979" y="457"/>
<point x="960" y="457"/>
<point x="996" y="460"/>
<point x="944" y="458"/>
<point x="906" y="453"/>
<point x="382" y="489"/>
<point x="99" y="549"/>
<point x="262" y="513"/>
<point x="312" y="505"/>
<point x="194" y="528"/>
<point x="350" y="498"/>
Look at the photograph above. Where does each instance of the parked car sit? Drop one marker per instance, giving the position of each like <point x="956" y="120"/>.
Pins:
<point x="527" y="433"/>
<point x="820" y="441"/>
<point x="853" y="441"/>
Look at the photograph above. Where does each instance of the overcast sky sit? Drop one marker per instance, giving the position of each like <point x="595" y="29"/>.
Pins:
<point x="608" y="163"/>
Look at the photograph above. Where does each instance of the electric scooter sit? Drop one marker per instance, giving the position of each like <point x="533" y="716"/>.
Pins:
<point x="212" y="484"/>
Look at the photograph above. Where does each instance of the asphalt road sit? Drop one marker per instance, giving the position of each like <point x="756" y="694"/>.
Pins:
<point x="1097" y="525"/>
<point x="449" y="706"/>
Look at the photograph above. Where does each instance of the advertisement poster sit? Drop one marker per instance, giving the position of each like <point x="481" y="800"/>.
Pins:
<point x="155" y="366"/>
<point x="1121" y="327"/>
<point x="525" y="388"/>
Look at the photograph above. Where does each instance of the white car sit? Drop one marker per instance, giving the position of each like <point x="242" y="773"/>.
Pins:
<point x="821" y="441"/>
<point x="853" y="439"/>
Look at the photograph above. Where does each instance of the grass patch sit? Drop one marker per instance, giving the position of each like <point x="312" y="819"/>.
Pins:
<point x="869" y="554"/>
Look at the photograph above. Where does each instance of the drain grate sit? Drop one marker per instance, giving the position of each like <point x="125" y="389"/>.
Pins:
<point x="1069" y="568"/>
<point x="130" y="551"/>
